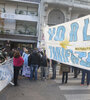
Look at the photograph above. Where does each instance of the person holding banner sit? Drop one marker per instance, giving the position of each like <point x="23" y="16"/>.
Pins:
<point x="54" y="64"/>
<point x="76" y="72"/>
<point x="48" y="67"/>
<point x="65" y="69"/>
<point x="17" y="63"/>
<point x="84" y="72"/>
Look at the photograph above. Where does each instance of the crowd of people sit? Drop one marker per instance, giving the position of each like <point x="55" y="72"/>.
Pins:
<point x="27" y="63"/>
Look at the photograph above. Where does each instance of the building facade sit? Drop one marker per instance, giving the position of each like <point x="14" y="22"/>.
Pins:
<point x="22" y="21"/>
<point x="19" y="23"/>
<point x="55" y="12"/>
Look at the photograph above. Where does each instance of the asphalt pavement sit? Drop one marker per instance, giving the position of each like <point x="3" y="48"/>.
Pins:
<point x="47" y="90"/>
<point x="32" y="90"/>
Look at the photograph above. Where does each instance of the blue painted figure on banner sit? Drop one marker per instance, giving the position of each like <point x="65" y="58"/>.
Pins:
<point x="26" y="68"/>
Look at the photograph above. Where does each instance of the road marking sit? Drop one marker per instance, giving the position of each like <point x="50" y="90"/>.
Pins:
<point x="74" y="87"/>
<point x="69" y="81"/>
<point x="78" y="97"/>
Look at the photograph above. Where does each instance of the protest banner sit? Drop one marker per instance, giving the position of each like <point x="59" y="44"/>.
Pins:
<point x="69" y="43"/>
<point x="26" y="71"/>
<point x="6" y="74"/>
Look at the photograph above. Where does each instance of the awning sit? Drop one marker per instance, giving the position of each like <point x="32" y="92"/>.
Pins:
<point x="16" y="40"/>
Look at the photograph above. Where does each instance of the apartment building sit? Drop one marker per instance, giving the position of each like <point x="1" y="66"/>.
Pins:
<point x="19" y="23"/>
<point x="55" y="12"/>
<point x="22" y="21"/>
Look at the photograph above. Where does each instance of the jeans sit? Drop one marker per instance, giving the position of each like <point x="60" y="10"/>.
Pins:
<point x="16" y="73"/>
<point x="83" y="76"/>
<point x="33" y="71"/>
<point x="84" y="72"/>
<point x="54" y="71"/>
<point x="48" y="67"/>
<point x="63" y="77"/>
<point x="43" y="72"/>
<point x="76" y="72"/>
<point x="88" y="77"/>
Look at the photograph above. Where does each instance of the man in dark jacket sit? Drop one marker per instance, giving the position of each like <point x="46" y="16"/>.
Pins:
<point x="54" y="64"/>
<point x="34" y="63"/>
<point x="43" y="67"/>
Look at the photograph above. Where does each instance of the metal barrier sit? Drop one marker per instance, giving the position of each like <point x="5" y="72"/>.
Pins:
<point x="6" y="73"/>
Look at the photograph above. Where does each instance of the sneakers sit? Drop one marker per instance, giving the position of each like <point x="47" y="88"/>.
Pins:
<point x="66" y="82"/>
<point x="52" y="78"/>
<point x="81" y="84"/>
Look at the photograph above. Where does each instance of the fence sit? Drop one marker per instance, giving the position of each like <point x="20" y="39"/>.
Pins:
<point x="6" y="73"/>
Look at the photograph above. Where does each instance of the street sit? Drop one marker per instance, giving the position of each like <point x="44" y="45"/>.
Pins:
<point x="47" y="90"/>
<point x="43" y="39"/>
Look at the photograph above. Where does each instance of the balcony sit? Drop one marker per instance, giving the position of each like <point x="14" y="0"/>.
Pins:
<point x="24" y="12"/>
<point x="57" y="1"/>
<point x="18" y="38"/>
<point x="2" y="10"/>
<point x="28" y="1"/>
<point x="85" y="2"/>
<point x="19" y="17"/>
<point x="68" y="1"/>
<point x="31" y="32"/>
<point x="15" y="36"/>
<point x="81" y="4"/>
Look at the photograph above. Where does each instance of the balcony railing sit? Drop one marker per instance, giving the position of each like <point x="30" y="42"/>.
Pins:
<point x="34" y="1"/>
<point x="86" y="2"/>
<point x="82" y="2"/>
<point x="2" y="10"/>
<point x="24" y="12"/>
<point x="19" y="17"/>
<point x="21" y="32"/>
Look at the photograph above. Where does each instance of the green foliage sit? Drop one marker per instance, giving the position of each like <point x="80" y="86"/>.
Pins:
<point x="20" y="12"/>
<point x="30" y="30"/>
<point x="2" y="30"/>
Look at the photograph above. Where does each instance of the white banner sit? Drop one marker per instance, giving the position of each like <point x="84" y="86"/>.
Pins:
<point x="6" y="74"/>
<point x="69" y="42"/>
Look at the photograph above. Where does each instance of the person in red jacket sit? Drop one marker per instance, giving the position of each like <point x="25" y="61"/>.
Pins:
<point x="17" y="63"/>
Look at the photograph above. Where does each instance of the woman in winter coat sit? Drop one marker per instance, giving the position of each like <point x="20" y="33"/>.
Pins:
<point x="17" y="63"/>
